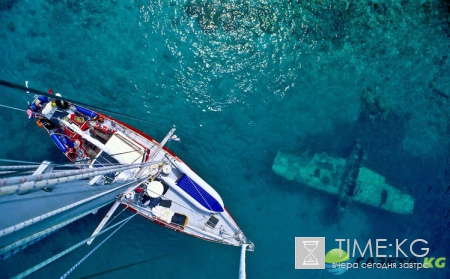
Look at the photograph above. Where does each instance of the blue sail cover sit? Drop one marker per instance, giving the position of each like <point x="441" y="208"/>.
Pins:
<point x="198" y="193"/>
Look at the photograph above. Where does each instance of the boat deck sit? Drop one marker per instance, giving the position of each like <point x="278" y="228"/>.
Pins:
<point x="216" y="227"/>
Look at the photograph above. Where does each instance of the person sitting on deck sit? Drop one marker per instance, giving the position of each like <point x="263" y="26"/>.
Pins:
<point x="150" y="202"/>
<point x="36" y="106"/>
<point x="145" y="200"/>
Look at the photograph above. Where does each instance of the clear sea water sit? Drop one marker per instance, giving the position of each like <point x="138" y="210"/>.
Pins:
<point x="242" y="80"/>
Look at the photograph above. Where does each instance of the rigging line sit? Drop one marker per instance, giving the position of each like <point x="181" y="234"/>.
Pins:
<point x="15" y="172"/>
<point x="110" y="164"/>
<point x="23" y="243"/>
<point x="22" y="167"/>
<point x="142" y="262"/>
<point x="187" y="208"/>
<point x="232" y="222"/>
<point x="132" y="163"/>
<point x="68" y="250"/>
<point x="10" y="172"/>
<point x="20" y="162"/>
<point x="193" y="183"/>
<point x="69" y="174"/>
<point x="107" y="224"/>
<point x="71" y="165"/>
<point x="96" y="247"/>
<point x="29" y="89"/>
<point x="60" y="133"/>
<point x="22" y="184"/>
<point x="35" y="113"/>
<point x="63" y="134"/>
<point x="13" y="108"/>
<point x="179" y="204"/>
<point x="42" y="217"/>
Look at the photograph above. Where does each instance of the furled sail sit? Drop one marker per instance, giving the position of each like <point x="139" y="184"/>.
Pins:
<point x="242" y="274"/>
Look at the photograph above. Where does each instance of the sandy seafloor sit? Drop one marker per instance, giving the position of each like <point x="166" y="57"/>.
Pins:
<point x="243" y="80"/>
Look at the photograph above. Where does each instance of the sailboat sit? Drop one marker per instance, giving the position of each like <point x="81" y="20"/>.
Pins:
<point x="128" y="165"/>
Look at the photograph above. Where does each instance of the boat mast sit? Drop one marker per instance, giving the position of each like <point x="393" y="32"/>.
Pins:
<point x="136" y="176"/>
<point x="163" y="142"/>
<point x="111" y="212"/>
<point x="25" y="183"/>
<point x="158" y="148"/>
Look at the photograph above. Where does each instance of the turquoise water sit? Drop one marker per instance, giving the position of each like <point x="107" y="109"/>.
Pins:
<point x="242" y="80"/>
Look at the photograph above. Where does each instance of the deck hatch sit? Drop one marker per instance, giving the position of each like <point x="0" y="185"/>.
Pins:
<point x="212" y="222"/>
<point x="126" y="151"/>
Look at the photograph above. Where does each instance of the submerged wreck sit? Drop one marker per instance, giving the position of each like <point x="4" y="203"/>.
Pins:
<point x="346" y="178"/>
